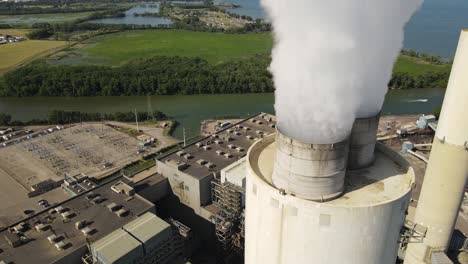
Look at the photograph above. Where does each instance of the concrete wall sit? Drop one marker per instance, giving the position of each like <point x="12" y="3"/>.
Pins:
<point x="190" y="190"/>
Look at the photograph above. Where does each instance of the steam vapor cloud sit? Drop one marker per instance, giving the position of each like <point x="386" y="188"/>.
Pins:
<point x="332" y="62"/>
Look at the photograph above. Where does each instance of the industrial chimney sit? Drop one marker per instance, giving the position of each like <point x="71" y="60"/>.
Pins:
<point x="447" y="171"/>
<point x="303" y="206"/>
<point x="310" y="171"/>
<point x="362" y="142"/>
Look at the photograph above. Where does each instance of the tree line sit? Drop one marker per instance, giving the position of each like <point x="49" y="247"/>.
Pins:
<point x="68" y="117"/>
<point x="167" y="76"/>
<point x="155" y="76"/>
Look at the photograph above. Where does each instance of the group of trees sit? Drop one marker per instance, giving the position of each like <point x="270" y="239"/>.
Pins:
<point x="423" y="56"/>
<point x="68" y="117"/>
<point x="167" y="76"/>
<point x="431" y="79"/>
<point x="158" y="76"/>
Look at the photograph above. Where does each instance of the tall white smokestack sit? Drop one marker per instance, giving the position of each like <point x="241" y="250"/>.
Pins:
<point x="447" y="171"/>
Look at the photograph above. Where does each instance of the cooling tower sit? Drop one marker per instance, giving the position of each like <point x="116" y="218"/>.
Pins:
<point x="310" y="171"/>
<point x="447" y="171"/>
<point x="362" y="142"/>
<point x="362" y="225"/>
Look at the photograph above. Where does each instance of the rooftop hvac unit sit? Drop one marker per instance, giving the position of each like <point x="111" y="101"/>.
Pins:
<point x="219" y="152"/>
<point x="230" y="146"/>
<point x="272" y="125"/>
<point x="80" y="224"/>
<point x="41" y="227"/>
<point x="249" y="137"/>
<point x="240" y="149"/>
<point x="113" y="207"/>
<point x="259" y="132"/>
<point x="260" y="123"/>
<point x="237" y="134"/>
<point x="246" y="128"/>
<point x="53" y="238"/>
<point x="210" y="165"/>
<point x="122" y="212"/>
<point x="98" y="200"/>
<point x="201" y="161"/>
<point x="218" y="142"/>
<point x="87" y="231"/>
<point x="253" y="120"/>
<point x="206" y="147"/>
<point x="199" y="144"/>
<point x="188" y="156"/>
<point x="61" y="245"/>
<point x="67" y="215"/>
<point x="60" y="209"/>
<point x="228" y="155"/>
<point x="19" y="227"/>
<point x="180" y="153"/>
<point x="239" y="126"/>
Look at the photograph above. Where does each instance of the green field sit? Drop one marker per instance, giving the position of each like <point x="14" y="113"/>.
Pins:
<point x="25" y="20"/>
<point x="16" y="54"/>
<point x="118" y="48"/>
<point x="415" y="66"/>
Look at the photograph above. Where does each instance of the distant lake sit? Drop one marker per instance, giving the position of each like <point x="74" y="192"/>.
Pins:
<point x="131" y="19"/>
<point x="434" y="29"/>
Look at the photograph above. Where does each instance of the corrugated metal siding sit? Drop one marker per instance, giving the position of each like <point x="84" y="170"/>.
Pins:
<point x="440" y="258"/>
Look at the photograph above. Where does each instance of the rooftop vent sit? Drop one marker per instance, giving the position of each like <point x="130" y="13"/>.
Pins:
<point x="180" y="153"/>
<point x="240" y="149"/>
<point x="272" y="125"/>
<point x="210" y="165"/>
<point x="61" y="245"/>
<point x="201" y="161"/>
<point x="228" y="155"/>
<point x="206" y="147"/>
<point x="87" y="231"/>
<point x="122" y="212"/>
<point x="218" y="142"/>
<point x="80" y="224"/>
<point x="188" y="156"/>
<point x="249" y="137"/>
<point x="246" y="128"/>
<point x="254" y="120"/>
<point x="230" y="146"/>
<point x="113" y="207"/>
<point x="67" y="215"/>
<point x="54" y="238"/>
<point x="41" y="227"/>
<point x="199" y="144"/>
<point x="220" y="152"/>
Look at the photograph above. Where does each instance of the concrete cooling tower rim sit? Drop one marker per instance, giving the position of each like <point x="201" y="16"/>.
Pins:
<point x="389" y="179"/>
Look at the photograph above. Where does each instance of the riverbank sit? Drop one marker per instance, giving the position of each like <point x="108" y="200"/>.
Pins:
<point x="190" y="110"/>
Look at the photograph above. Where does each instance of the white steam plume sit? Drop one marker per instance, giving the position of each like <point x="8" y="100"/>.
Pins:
<point x="332" y="62"/>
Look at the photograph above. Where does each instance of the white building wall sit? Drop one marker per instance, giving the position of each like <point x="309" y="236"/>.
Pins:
<point x="286" y="229"/>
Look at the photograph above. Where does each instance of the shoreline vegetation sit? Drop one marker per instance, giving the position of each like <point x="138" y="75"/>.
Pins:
<point x="61" y="117"/>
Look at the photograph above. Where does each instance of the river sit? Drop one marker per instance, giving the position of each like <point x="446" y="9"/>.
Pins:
<point x="190" y="110"/>
<point x="435" y="28"/>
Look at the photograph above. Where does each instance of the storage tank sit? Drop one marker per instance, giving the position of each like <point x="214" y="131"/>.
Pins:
<point x="310" y="171"/>
<point x="362" y="142"/>
<point x="360" y="226"/>
<point x="447" y="170"/>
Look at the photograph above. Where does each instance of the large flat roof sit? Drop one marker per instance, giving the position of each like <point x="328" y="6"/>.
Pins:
<point x="263" y="123"/>
<point x="116" y="246"/>
<point x="389" y="178"/>
<point x="101" y="219"/>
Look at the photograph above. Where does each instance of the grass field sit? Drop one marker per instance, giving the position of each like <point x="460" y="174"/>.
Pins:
<point x="118" y="48"/>
<point x="40" y="18"/>
<point x="15" y="32"/>
<point x="415" y="66"/>
<point x="15" y="54"/>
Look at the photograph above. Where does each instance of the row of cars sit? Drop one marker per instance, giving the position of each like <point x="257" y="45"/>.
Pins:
<point x="8" y="135"/>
